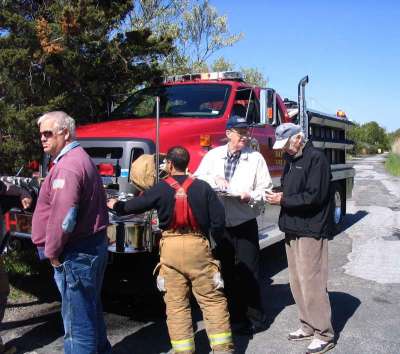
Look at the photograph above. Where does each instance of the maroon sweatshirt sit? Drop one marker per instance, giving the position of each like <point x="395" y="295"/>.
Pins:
<point x="71" y="203"/>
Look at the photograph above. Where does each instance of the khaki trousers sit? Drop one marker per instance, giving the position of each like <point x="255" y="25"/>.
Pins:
<point x="186" y="263"/>
<point x="308" y="276"/>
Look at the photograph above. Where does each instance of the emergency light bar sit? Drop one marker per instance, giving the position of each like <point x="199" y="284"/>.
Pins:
<point x="218" y="75"/>
<point x="341" y="114"/>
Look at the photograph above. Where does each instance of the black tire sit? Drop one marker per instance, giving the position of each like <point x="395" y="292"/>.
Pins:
<point x="339" y="207"/>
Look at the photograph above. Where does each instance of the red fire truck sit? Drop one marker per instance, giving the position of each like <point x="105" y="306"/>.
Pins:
<point x="192" y="111"/>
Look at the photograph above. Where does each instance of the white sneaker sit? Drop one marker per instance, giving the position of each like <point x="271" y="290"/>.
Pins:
<point x="299" y="335"/>
<point x="318" y="346"/>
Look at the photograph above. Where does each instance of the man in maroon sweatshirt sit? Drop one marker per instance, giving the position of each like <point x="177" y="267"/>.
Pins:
<point x="69" y="228"/>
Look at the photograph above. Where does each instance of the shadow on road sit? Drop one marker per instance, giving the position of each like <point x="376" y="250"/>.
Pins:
<point x="47" y="332"/>
<point x="152" y="339"/>
<point x="343" y="308"/>
<point x="24" y="304"/>
<point x="30" y="321"/>
<point x="129" y="290"/>
<point x="146" y="305"/>
<point x="349" y="220"/>
<point x="276" y="296"/>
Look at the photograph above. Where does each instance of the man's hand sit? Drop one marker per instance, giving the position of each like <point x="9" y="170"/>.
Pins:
<point x="26" y="202"/>
<point x="111" y="202"/>
<point x="274" y="198"/>
<point x="245" y="197"/>
<point x="221" y="182"/>
<point x="55" y="262"/>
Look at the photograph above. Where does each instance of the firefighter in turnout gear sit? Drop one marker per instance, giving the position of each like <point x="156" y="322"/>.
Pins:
<point x="188" y="212"/>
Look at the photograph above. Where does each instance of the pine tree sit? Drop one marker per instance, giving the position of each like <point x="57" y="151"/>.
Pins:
<point x="71" y="55"/>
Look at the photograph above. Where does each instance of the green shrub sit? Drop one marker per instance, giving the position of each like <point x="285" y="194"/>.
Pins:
<point x="392" y="164"/>
<point x="22" y="263"/>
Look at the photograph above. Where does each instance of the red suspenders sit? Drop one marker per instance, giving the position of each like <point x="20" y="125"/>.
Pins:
<point x="183" y="216"/>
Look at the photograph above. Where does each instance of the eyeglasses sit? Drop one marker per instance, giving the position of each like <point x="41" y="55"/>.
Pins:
<point x="244" y="134"/>
<point x="47" y="134"/>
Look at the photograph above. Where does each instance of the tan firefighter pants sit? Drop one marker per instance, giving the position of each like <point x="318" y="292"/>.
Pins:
<point x="186" y="263"/>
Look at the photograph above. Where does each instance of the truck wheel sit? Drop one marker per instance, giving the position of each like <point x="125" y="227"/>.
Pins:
<point x="338" y="207"/>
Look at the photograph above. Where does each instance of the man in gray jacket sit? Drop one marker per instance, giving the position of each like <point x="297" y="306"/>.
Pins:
<point x="305" y="218"/>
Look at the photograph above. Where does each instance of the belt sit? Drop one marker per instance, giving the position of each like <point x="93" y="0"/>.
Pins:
<point x="181" y="232"/>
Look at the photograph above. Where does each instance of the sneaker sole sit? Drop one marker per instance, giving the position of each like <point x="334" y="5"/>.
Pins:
<point x="328" y="347"/>
<point x="300" y="338"/>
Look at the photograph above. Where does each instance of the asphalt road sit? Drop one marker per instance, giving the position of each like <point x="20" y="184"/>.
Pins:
<point x="364" y="287"/>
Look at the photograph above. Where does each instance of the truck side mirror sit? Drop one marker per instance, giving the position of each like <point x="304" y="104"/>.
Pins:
<point x="268" y="106"/>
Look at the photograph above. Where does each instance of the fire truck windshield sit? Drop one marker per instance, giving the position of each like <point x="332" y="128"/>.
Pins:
<point x="181" y="100"/>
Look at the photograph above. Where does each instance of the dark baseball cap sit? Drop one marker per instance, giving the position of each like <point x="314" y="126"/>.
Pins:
<point x="236" y="122"/>
<point x="283" y="133"/>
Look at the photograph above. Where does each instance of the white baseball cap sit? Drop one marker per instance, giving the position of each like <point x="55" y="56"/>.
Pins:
<point x="283" y="133"/>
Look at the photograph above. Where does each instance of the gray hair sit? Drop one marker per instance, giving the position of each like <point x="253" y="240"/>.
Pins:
<point x="303" y="138"/>
<point x="62" y="121"/>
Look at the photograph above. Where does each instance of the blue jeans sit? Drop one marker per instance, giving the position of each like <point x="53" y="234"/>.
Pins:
<point x="79" y="279"/>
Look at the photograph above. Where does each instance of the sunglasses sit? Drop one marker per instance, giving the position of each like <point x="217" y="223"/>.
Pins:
<point x="48" y="133"/>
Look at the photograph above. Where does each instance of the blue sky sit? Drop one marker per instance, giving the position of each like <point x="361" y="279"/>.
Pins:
<point x="349" y="48"/>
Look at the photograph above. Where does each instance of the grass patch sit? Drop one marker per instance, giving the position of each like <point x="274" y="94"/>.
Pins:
<point x="18" y="295"/>
<point x="21" y="262"/>
<point x="392" y="164"/>
<point x="29" y="277"/>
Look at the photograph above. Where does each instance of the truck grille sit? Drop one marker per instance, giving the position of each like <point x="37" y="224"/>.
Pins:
<point x="116" y="155"/>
